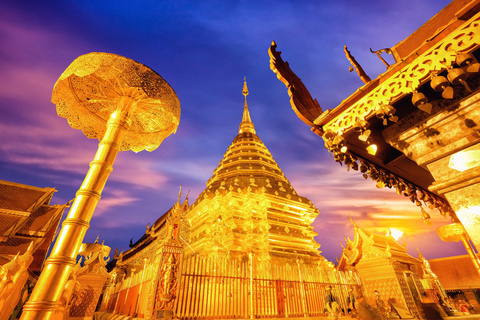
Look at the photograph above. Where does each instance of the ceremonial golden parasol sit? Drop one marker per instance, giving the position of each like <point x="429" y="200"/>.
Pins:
<point x="127" y="106"/>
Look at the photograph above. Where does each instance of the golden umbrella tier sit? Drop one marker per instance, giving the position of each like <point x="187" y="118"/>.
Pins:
<point x="97" y="84"/>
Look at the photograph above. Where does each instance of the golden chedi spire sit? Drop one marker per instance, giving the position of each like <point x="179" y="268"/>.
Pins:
<point x="250" y="206"/>
<point x="246" y="125"/>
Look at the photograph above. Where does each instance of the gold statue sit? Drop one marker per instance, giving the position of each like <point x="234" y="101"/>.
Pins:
<point x="13" y="275"/>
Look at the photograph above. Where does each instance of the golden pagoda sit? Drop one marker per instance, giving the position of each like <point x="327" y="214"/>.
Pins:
<point x="250" y="206"/>
<point x="244" y="249"/>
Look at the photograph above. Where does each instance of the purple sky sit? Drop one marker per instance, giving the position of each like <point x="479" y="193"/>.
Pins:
<point x="204" y="49"/>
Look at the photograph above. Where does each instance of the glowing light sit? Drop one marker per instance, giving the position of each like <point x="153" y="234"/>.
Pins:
<point x="372" y="149"/>
<point x="464" y="160"/>
<point x="395" y="233"/>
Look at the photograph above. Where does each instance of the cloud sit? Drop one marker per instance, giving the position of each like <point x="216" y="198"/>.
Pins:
<point x="113" y="199"/>
<point x="340" y="195"/>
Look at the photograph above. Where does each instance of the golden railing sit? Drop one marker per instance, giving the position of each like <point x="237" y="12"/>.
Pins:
<point x="225" y="288"/>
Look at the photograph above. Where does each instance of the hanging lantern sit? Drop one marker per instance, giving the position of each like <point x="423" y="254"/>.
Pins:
<point x="440" y="83"/>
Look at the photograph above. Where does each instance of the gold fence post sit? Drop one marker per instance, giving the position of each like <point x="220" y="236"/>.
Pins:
<point x="252" y="312"/>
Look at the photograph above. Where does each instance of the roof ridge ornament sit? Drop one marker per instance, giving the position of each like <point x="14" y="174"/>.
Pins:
<point x="306" y="108"/>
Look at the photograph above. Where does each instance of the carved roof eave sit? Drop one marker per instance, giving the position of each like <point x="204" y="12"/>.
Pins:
<point x="403" y="78"/>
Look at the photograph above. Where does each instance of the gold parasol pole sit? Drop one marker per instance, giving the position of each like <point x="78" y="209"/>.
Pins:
<point x="140" y="109"/>
<point x="46" y="296"/>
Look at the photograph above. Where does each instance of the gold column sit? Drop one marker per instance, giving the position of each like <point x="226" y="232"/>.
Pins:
<point x="51" y="283"/>
<point x="99" y="93"/>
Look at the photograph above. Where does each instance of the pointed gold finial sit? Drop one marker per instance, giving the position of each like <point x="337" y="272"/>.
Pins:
<point x="245" y="89"/>
<point x="246" y="125"/>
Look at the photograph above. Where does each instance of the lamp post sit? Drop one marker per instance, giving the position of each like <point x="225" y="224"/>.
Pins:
<point x="127" y="106"/>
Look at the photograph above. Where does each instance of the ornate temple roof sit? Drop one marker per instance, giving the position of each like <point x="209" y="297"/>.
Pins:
<point x="367" y="244"/>
<point x="456" y="273"/>
<point x="26" y="217"/>
<point x="155" y="231"/>
<point x="365" y="129"/>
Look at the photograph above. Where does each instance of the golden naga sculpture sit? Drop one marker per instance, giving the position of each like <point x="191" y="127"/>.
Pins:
<point x="13" y="276"/>
<point x="70" y="294"/>
<point x="306" y="108"/>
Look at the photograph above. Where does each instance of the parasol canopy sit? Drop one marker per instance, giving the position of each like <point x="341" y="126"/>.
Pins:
<point x="97" y="84"/>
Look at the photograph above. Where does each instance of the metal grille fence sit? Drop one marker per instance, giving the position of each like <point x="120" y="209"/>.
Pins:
<point x="221" y="288"/>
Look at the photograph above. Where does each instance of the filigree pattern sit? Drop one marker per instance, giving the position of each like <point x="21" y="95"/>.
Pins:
<point x="412" y="76"/>
<point x="453" y="232"/>
<point x="97" y="84"/>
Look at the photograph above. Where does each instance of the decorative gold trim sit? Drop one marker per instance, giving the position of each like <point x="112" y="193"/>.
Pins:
<point x="407" y="80"/>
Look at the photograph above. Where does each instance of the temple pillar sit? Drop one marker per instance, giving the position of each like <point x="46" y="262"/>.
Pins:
<point x="448" y="145"/>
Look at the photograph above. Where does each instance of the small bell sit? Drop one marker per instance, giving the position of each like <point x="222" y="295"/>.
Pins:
<point x="468" y="60"/>
<point x="421" y="195"/>
<point x="463" y="59"/>
<point x="440" y="83"/>
<point x="357" y="126"/>
<point x="418" y="98"/>
<point x="425" y="216"/>
<point x="420" y="101"/>
<point x="458" y="76"/>
<point x="363" y="167"/>
<point x="389" y="110"/>
<point x="380" y="113"/>
<point x="339" y="140"/>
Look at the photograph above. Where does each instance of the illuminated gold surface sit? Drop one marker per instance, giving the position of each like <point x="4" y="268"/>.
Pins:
<point x="384" y="268"/>
<point x="97" y="84"/>
<point x="107" y="96"/>
<point x="412" y="76"/>
<point x="465" y="160"/>
<point x="249" y="205"/>
<point x="13" y="276"/>
<point x="91" y="278"/>
<point x="245" y="249"/>
<point x="456" y="232"/>
<point x="224" y="287"/>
